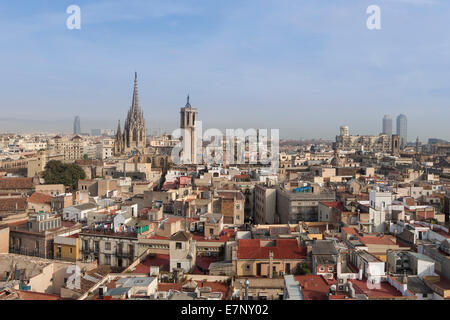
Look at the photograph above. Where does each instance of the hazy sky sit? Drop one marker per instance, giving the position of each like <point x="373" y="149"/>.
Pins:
<point x="303" y="66"/>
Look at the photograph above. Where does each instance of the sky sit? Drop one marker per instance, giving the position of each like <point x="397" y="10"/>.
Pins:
<point x="304" y="67"/>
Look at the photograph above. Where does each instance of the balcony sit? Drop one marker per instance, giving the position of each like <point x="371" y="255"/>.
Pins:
<point x="86" y="250"/>
<point x="124" y="254"/>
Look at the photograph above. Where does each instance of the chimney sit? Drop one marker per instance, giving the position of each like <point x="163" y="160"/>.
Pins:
<point x="339" y="266"/>
<point x="246" y="284"/>
<point x="270" y="264"/>
<point x="351" y="290"/>
<point x="405" y="283"/>
<point x="360" y="273"/>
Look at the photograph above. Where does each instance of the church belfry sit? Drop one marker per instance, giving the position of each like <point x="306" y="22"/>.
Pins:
<point x="188" y="120"/>
<point x="134" y="135"/>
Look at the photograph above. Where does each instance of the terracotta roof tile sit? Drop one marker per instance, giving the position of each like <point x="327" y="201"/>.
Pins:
<point x="283" y="249"/>
<point x="314" y="287"/>
<point x="16" y="183"/>
<point x="38" y="197"/>
<point x="13" y="204"/>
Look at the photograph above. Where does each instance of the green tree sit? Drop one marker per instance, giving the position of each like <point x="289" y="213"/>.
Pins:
<point x="57" y="172"/>
<point x="301" y="269"/>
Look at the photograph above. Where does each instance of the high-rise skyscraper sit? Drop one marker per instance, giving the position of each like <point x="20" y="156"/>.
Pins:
<point x="387" y="125"/>
<point x="402" y="130"/>
<point x="188" y="119"/>
<point x="76" y="125"/>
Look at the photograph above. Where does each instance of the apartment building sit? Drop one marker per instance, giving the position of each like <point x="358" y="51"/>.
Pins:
<point x="265" y="204"/>
<point x="293" y="206"/>
<point x="230" y="203"/>
<point x="116" y="249"/>
<point x="267" y="258"/>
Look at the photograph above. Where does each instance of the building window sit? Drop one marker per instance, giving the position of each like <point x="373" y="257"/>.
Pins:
<point x="178" y="265"/>
<point x="247" y="267"/>
<point x="178" y="245"/>
<point x="321" y="269"/>
<point x="107" y="245"/>
<point x="330" y="269"/>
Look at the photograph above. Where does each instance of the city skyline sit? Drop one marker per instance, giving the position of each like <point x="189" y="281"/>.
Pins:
<point x="225" y="155"/>
<point x="284" y="68"/>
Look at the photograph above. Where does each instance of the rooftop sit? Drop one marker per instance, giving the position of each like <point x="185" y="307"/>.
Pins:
<point x="38" y="197"/>
<point x="283" y="249"/>
<point x="153" y="260"/>
<point x="16" y="183"/>
<point x="384" y="290"/>
<point x="314" y="287"/>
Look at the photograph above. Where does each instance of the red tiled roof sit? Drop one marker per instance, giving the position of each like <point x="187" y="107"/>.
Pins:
<point x="385" y="290"/>
<point x="332" y="204"/>
<point x="283" y="249"/>
<point x="349" y="230"/>
<point x="216" y="286"/>
<point x="9" y="204"/>
<point x="158" y="237"/>
<point x="380" y="240"/>
<point x="314" y="287"/>
<point x="162" y="286"/>
<point x="169" y="185"/>
<point x="158" y="260"/>
<point x="29" y="295"/>
<point x="75" y="235"/>
<point x="202" y="264"/>
<point x="16" y="183"/>
<point x="38" y="197"/>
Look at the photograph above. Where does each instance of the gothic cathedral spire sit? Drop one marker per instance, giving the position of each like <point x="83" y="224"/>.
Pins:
<point x="133" y="138"/>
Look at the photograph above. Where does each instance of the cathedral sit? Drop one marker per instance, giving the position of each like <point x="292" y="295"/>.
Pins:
<point x="133" y="139"/>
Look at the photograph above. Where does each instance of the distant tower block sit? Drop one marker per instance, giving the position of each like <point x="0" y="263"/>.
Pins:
<point x="387" y="125"/>
<point x="188" y="119"/>
<point x="344" y="131"/>
<point x="402" y="130"/>
<point x="417" y="145"/>
<point x="76" y="125"/>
